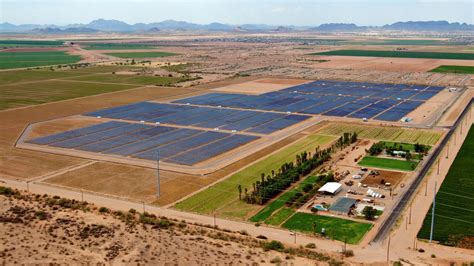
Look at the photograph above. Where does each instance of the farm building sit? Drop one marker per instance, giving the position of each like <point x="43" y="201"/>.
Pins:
<point x="331" y="188"/>
<point x="343" y="205"/>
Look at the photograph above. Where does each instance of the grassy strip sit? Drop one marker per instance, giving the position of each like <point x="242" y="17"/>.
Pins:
<point x="141" y="54"/>
<point x="31" y="59"/>
<point x="280" y="201"/>
<point x="400" y="54"/>
<point x="454" y="69"/>
<point x="386" y="163"/>
<point x="223" y="197"/>
<point x="280" y="216"/>
<point x="454" y="214"/>
<point x="336" y="228"/>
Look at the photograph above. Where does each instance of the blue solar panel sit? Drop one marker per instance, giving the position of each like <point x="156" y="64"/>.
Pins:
<point x="98" y="136"/>
<point x="76" y="133"/>
<point x="152" y="142"/>
<point x="183" y="145"/>
<point x="211" y="150"/>
<point x="122" y="140"/>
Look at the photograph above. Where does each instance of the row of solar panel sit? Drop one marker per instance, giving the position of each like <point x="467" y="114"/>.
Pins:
<point x="334" y="98"/>
<point x="204" y="117"/>
<point x="328" y="105"/>
<point x="177" y="145"/>
<point x="365" y="85"/>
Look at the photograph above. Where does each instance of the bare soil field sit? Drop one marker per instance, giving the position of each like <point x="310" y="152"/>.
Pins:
<point x="61" y="125"/>
<point x="394" y="178"/>
<point x="261" y="86"/>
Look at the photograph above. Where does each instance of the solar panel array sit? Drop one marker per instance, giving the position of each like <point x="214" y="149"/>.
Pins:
<point x="335" y="98"/>
<point x="175" y="145"/>
<point x="202" y="117"/>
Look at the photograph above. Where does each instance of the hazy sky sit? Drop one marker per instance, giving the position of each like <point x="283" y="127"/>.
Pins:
<point x="276" y="12"/>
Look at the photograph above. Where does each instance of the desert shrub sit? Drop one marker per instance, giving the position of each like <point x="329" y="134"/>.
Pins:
<point x="41" y="215"/>
<point x="103" y="210"/>
<point x="273" y="245"/>
<point x="348" y="253"/>
<point x="310" y="245"/>
<point x="6" y="191"/>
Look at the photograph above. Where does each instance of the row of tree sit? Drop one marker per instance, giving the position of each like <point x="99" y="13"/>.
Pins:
<point x="309" y="190"/>
<point x="288" y="173"/>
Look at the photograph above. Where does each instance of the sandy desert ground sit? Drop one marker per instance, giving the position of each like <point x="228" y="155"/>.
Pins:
<point x="42" y="230"/>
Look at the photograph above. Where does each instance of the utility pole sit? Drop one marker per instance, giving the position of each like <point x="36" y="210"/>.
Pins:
<point x="345" y="244"/>
<point x="409" y="216"/>
<point x="438" y="168"/>
<point x="447" y="150"/>
<point x="295" y="236"/>
<point x="433" y="212"/>
<point x="388" y="250"/>
<point x="157" y="174"/>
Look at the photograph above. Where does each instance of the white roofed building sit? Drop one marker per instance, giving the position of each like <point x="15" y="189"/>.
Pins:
<point x="331" y="188"/>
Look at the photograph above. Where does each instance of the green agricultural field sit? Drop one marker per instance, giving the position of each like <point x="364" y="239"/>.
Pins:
<point x="28" y="43"/>
<point x="454" y="215"/>
<point x="142" y="54"/>
<point x="336" y="228"/>
<point x="280" y="216"/>
<point x="31" y="59"/>
<point x="18" y="95"/>
<point x="454" y="69"/>
<point x="402" y="42"/>
<point x="133" y="79"/>
<point x="279" y="202"/>
<point x="117" y="46"/>
<point x="223" y="197"/>
<point x="400" y="54"/>
<point x="16" y="76"/>
<point x="428" y="137"/>
<point x="386" y="163"/>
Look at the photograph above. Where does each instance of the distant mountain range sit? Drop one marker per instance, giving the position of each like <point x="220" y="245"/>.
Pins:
<point x="103" y="25"/>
